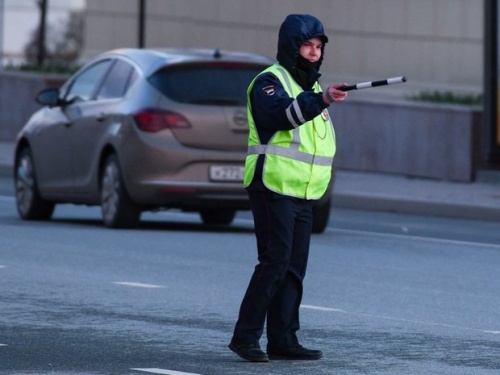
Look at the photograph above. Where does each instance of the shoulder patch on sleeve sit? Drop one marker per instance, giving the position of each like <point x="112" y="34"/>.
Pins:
<point x="269" y="90"/>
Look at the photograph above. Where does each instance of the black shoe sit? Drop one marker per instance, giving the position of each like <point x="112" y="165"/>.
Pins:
<point x="295" y="352"/>
<point x="250" y="352"/>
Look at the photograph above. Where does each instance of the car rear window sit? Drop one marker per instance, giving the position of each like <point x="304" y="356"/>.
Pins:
<point x="219" y="83"/>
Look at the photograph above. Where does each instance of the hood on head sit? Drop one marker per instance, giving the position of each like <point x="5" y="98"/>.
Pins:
<point x="295" y="30"/>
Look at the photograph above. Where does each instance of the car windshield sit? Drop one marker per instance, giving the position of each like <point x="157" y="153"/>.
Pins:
<point x="218" y="83"/>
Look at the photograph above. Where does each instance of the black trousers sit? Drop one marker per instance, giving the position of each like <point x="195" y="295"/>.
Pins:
<point x="283" y="230"/>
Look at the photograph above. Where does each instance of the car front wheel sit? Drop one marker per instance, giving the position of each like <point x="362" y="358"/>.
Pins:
<point x="30" y="205"/>
<point x="118" y="209"/>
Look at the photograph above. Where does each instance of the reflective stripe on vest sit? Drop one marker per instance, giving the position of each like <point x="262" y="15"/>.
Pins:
<point x="292" y="153"/>
<point x="292" y="167"/>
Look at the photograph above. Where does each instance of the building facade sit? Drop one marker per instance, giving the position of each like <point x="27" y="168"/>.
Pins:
<point x="437" y="44"/>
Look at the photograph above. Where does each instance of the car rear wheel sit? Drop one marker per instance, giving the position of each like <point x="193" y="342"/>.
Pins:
<point x="217" y="216"/>
<point x="30" y="205"/>
<point x="118" y="209"/>
<point x="321" y="215"/>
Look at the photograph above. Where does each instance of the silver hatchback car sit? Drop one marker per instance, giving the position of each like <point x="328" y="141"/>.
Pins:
<point x="143" y="129"/>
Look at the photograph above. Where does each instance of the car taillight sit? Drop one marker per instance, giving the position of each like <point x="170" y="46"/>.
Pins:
<point x="154" y="120"/>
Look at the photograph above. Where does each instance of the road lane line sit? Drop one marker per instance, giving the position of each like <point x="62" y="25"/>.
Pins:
<point x="407" y="237"/>
<point x="162" y="371"/>
<point x="320" y="308"/>
<point x="493" y="332"/>
<point x="137" y="285"/>
<point x="330" y="309"/>
<point x="4" y="345"/>
<point x="3" y="266"/>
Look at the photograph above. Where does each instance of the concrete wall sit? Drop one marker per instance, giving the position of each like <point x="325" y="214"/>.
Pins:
<point x="435" y="43"/>
<point x="413" y="139"/>
<point x="17" y="99"/>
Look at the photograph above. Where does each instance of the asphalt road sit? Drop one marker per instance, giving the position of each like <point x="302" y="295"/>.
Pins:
<point x="384" y="294"/>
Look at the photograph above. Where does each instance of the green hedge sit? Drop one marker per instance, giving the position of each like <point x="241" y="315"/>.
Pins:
<point x="447" y="97"/>
<point x="59" y="69"/>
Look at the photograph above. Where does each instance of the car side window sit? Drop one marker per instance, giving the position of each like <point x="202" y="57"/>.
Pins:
<point x="85" y="84"/>
<point x="118" y="81"/>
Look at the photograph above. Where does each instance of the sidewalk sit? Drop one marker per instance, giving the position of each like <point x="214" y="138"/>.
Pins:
<point x="385" y="192"/>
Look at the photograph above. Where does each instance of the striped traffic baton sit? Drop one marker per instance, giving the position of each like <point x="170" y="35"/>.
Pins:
<point x="365" y="85"/>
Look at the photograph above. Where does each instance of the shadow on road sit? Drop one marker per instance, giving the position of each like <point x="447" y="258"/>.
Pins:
<point x="144" y="225"/>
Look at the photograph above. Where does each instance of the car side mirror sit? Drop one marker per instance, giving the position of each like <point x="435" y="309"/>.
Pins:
<point x="49" y="97"/>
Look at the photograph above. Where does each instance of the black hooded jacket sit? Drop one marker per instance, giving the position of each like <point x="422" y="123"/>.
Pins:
<point x="294" y="31"/>
<point x="268" y="98"/>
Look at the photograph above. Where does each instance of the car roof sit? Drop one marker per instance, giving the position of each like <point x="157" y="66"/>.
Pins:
<point x="150" y="60"/>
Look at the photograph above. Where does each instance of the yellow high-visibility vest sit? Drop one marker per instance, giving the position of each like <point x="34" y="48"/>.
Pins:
<point x="298" y="162"/>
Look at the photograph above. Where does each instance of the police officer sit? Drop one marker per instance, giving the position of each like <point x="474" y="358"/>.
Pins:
<point x="291" y="147"/>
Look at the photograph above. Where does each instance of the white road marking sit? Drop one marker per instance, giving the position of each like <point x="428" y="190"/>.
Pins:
<point x="404" y="236"/>
<point x="330" y="309"/>
<point x="311" y="307"/>
<point x="4" y="345"/>
<point x="3" y="266"/>
<point x="493" y="332"/>
<point x="162" y="371"/>
<point x="137" y="285"/>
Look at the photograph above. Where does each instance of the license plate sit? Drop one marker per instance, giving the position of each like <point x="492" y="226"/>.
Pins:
<point x="226" y="173"/>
